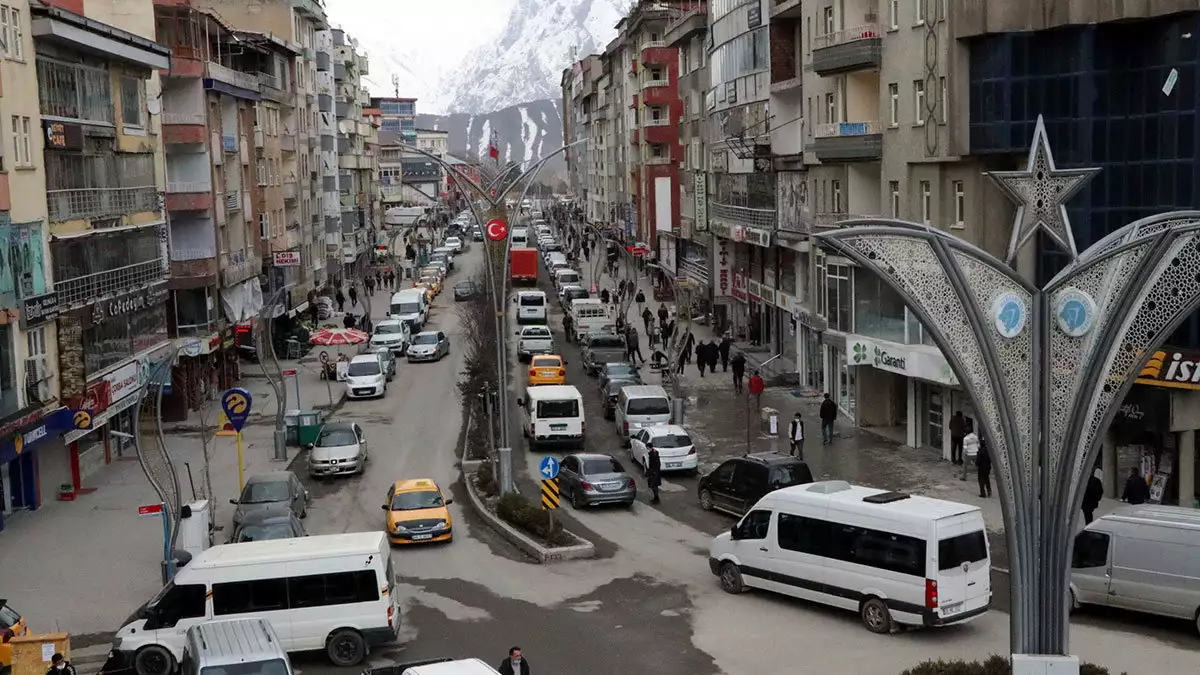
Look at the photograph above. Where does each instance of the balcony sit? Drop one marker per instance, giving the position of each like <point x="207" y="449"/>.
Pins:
<point x="742" y="215"/>
<point x="656" y="160"/>
<point x="658" y="92"/>
<point x="184" y="118"/>
<point x="687" y="23"/>
<point x="313" y="9"/>
<point x="848" y="142"/>
<point x="189" y="196"/>
<point x="354" y="161"/>
<point x="198" y="266"/>
<point x="239" y="267"/>
<point x="291" y="189"/>
<point x="287" y="142"/>
<point x="82" y="290"/>
<point x="658" y="82"/>
<point x="90" y="203"/>
<point x="661" y="134"/>
<point x="786" y="9"/>
<point x="232" y="77"/>
<point x="183" y="133"/>
<point x="844" y="51"/>
<point x="657" y="52"/>
<point x="233" y="201"/>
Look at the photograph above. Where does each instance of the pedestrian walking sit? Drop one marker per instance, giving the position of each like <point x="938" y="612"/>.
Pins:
<point x="757" y="387"/>
<point x="970" y="449"/>
<point x="640" y="299"/>
<point x="701" y="356"/>
<point x="663" y="313"/>
<point x="568" y="326"/>
<point x="796" y="436"/>
<point x="983" y="469"/>
<point x="739" y="369"/>
<point x="59" y="665"/>
<point x="370" y="284"/>
<point x="647" y="318"/>
<point x="682" y="361"/>
<point x="353" y="296"/>
<point x="340" y="298"/>
<point x="632" y="347"/>
<point x="515" y="664"/>
<point x="957" y="430"/>
<point x="689" y="342"/>
<point x="378" y="279"/>
<point x="828" y="414"/>
<point x="668" y="332"/>
<point x="1135" y="491"/>
<point x="604" y="295"/>
<point x="723" y="348"/>
<point x="655" y="336"/>
<point x="653" y="473"/>
<point x="1092" y="495"/>
<point x="713" y="355"/>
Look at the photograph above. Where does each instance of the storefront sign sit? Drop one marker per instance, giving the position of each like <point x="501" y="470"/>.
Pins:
<point x="701" y="188"/>
<point x="101" y="419"/>
<point x="722" y="262"/>
<point x="1172" y="367"/>
<point x="63" y="136"/>
<point x="123" y="381"/>
<point x="19" y="420"/>
<point x="739" y="286"/>
<point x="34" y="433"/>
<point x="767" y="294"/>
<point x="133" y="302"/>
<point x="39" y="310"/>
<point x="920" y="361"/>
<point x="754" y="289"/>
<point x="287" y="258"/>
<point x="96" y="398"/>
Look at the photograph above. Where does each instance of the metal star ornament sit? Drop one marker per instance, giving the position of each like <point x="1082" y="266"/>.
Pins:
<point x="1041" y="192"/>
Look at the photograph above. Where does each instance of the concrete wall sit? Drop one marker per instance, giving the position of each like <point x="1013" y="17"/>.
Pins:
<point x="979" y="17"/>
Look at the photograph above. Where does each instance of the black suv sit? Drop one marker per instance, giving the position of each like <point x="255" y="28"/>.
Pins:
<point x="739" y="483"/>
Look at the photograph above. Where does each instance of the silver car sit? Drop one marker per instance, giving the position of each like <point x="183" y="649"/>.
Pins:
<point x="588" y="479"/>
<point x="341" y="448"/>
<point x="430" y="345"/>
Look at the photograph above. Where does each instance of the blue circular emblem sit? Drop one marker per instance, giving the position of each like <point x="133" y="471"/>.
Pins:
<point x="1009" y="314"/>
<point x="1075" y="312"/>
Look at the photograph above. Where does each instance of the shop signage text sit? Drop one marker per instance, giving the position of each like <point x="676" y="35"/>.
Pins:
<point x="701" y="188"/>
<point x="754" y="289"/>
<point x="134" y="302"/>
<point x="287" y="258"/>
<point x="1171" y="367"/>
<point x="123" y="381"/>
<point x="739" y="286"/>
<point x="96" y="398"/>
<point x="724" y="282"/>
<point x="39" y="310"/>
<point x="63" y="136"/>
<point x="925" y="363"/>
<point x="54" y="423"/>
<point x="13" y="423"/>
<point x="753" y="235"/>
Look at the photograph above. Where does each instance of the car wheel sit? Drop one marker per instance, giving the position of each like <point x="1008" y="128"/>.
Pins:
<point x="154" y="660"/>
<point x="576" y="502"/>
<point x="876" y="616"/>
<point x="731" y="579"/>
<point x="346" y="648"/>
<point x="706" y="500"/>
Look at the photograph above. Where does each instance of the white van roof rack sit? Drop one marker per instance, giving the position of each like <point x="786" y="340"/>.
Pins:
<point x="885" y="497"/>
<point x="826" y="487"/>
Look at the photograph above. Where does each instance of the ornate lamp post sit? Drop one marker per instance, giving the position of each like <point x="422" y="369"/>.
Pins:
<point x="1046" y="368"/>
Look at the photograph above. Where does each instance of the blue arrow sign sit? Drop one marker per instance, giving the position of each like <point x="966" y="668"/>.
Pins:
<point x="236" y="403"/>
<point x="549" y="468"/>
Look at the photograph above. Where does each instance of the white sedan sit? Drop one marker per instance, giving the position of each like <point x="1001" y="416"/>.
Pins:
<point x="676" y="451"/>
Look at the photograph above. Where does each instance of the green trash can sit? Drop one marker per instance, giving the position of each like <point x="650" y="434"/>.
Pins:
<point x="308" y="425"/>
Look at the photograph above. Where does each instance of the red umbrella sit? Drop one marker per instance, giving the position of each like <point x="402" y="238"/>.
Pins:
<point x="331" y="337"/>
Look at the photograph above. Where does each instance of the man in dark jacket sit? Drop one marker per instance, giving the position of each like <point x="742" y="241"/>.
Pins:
<point x="701" y="356"/>
<point x="726" y="343"/>
<point x="59" y="665"/>
<point x="739" y="370"/>
<point x="828" y="417"/>
<point x="796" y="436"/>
<point x="983" y="469"/>
<point x="515" y="664"/>
<point x="647" y="319"/>
<point x="1092" y="495"/>
<point x="353" y="296"/>
<point x="653" y="473"/>
<point x="604" y="295"/>
<point x="1135" y="491"/>
<point x="663" y="314"/>
<point x="340" y="298"/>
<point x="689" y="343"/>
<point x="958" y="425"/>
<point x="633" y="348"/>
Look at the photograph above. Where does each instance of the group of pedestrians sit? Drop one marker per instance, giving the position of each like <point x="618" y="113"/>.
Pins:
<point x="383" y="279"/>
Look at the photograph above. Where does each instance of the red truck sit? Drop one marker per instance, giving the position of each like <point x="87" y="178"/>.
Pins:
<point x="522" y="266"/>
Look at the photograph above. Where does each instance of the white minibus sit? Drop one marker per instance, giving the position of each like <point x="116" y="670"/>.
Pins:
<point x="411" y="305"/>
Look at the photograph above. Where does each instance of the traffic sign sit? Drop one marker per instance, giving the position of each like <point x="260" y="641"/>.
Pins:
<point x="550" y="497"/>
<point x="150" y="509"/>
<point x="496" y="229"/>
<point x="236" y="404"/>
<point x="324" y="356"/>
<point x="548" y="468"/>
<point x="290" y="372"/>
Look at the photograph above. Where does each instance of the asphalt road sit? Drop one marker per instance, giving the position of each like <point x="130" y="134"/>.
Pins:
<point x="649" y="604"/>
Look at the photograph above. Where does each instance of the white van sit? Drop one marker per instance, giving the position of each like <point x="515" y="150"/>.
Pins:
<point x="518" y="237"/>
<point x="412" y="305"/>
<point x="642" y="405"/>
<point x="531" y="306"/>
<point x="553" y="416"/>
<point x="556" y="261"/>
<point x="589" y="315"/>
<point x="329" y="592"/>
<point x="891" y="557"/>
<point x="247" y="646"/>
<point x="1144" y="558"/>
<point x="459" y="667"/>
<point x="566" y="277"/>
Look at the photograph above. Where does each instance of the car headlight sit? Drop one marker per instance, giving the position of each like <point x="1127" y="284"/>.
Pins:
<point x="441" y="525"/>
<point x="399" y="528"/>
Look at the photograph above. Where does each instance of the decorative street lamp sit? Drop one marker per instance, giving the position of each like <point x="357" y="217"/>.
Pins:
<point x="1046" y="368"/>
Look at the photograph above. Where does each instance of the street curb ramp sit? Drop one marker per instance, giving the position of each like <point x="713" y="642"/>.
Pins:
<point x="543" y="554"/>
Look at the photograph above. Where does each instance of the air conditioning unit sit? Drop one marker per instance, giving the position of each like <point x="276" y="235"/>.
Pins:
<point x="37" y="379"/>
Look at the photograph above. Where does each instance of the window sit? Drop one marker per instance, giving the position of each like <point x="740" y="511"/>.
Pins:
<point x="828" y="20"/>
<point x="965" y="548"/>
<point x="11" y="38"/>
<point x="858" y="545"/>
<point x="894" y="14"/>
<point x="838" y="299"/>
<point x="25" y="141"/>
<point x="35" y="340"/>
<point x="894" y="104"/>
<point x="830" y="108"/>
<point x="960" y="203"/>
<point x="894" y="191"/>
<point x="244" y="597"/>
<point x="185" y="601"/>
<point x="926" y="201"/>
<point x="754" y="526"/>
<point x="836" y="190"/>
<point x="943" y="103"/>
<point x="795" y="533"/>
<point x="4" y="36"/>
<point x="319" y="590"/>
<point x="133" y="97"/>
<point x="1091" y="550"/>
<point x="919" y="101"/>
<point x="264" y="226"/>
<point x="920" y="12"/>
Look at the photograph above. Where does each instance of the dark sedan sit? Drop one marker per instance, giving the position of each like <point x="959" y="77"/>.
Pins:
<point x="609" y="393"/>
<point x="465" y="290"/>
<point x="283" y="526"/>
<point x="619" y="370"/>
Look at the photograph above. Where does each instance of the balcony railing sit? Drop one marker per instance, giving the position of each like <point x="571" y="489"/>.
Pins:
<point x="233" y="201"/>
<point x="652" y="44"/>
<point x="81" y="290"/>
<point x="290" y="189"/>
<point x="847" y="35"/>
<point x="269" y="80"/>
<point x="180" y="254"/>
<point x="655" y="83"/>
<point x="742" y="214"/>
<point x="654" y="160"/>
<point x="660" y="122"/>
<point x="287" y="142"/>
<point x="188" y="186"/>
<point x="837" y="129"/>
<point x="183" y="118"/>
<point x="100" y="202"/>
<point x="196" y="329"/>
<point x="229" y="143"/>
<point x="230" y="76"/>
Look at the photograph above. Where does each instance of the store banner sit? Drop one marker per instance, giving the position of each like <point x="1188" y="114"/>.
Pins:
<point x="1172" y="367"/>
<point x="701" y="199"/>
<point x="919" y="361"/>
<point x="722" y="265"/>
<point x="739" y="286"/>
<point x="28" y="437"/>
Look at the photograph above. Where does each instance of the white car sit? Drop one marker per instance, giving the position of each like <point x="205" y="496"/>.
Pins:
<point x="571" y="288"/>
<point x="534" y="340"/>
<point x="676" y="452"/>
<point x="365" y="377"/>
<point x="393" y="334"/>
<point x="453" y="242"/>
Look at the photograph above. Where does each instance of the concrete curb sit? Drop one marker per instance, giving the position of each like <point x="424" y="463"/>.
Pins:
<point x="543" y="554"/>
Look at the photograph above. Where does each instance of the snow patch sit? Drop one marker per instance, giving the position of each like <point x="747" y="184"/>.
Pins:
<point x="528" y="133"/>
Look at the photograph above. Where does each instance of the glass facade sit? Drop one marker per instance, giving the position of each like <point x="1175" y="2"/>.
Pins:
<point x="118" y="338"/>
<point x="22" y="262"/>
<point x="83" y="256"/>
<point x="744" y="54"/>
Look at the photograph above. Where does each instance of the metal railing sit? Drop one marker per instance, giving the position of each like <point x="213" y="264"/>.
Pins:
<point x="660" y="122"/>
<point x="655" y="83"/>
<point x="81" y="290"/>
<point x="677" y="18"/>
<point x="742" y="214"/>
<point x="656" y="160"/>
<point x="841" y="37"/>
<point x="100" y="202"/>
<point x="183" y="118"/>
<point x="188" y="186"/>
<point x="196" y="329"/>
<point x="181" y="254"/>
<point x="230" y="76"/>
<point x="653" y="44"/>
<point x="835" y="129"/>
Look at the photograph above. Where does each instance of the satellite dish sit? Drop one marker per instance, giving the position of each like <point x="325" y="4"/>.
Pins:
<point x="153" y="106"/>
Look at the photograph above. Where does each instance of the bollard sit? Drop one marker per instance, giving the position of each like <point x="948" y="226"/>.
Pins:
<point x="505" y="477"/>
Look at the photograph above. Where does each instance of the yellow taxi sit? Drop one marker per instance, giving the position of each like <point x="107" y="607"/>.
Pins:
<point x="547" y="369"/>
<point x="417" y="513"/>
<point x="12" y="624"/>
<point x="432" y="281"/>
<point x="432" y="272"/>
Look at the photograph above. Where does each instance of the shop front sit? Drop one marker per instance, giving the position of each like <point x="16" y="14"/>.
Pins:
<point x="23" y="437"/>
<point x="724" y="283"/>
<point x="693" y="265"/>
<point x="195" y="377"/>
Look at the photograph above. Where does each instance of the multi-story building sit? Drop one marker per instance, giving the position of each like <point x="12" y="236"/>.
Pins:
<point x="32" y="454"/>
<point x="356" y="168"/>
<point x="579" y="91"/>
<point x="96" y="78"/>
<point x="398" y="115"/>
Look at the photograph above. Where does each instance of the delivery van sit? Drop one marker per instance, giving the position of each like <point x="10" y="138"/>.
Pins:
<point x="411" y="305"/>
<point x="589" y="315"/>
<point x="552" y="416"/>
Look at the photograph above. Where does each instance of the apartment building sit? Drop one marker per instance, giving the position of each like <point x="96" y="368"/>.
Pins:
<point x="579" y="92"/>
<point x="356" y="167"/>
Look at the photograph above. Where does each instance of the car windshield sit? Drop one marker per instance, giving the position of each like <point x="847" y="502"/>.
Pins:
<point x="465" y="287"/>
<point x="606" y="342"/>
<point x="405" y="307"/>
<point x="648" y="406"/>
<point x="363" y="368"/>
<point x="671" y="441"/>
<point x="333" y="438"/>
<point x="409" y="501"/>
<point x="8" y="617"/>
<point x="428" y="280"/>
<point x="389" y="329"/>
<point x="790" y="474"/>
<point x="536" y="333"/>
<point x="557" y="409"/>
<point x="265" y="531"/>
<point x="532" y="300"/>
<point x="270" y="667"/>
<point x="591" y="467"/>
<point x="544" y="363"/>
<point x="265" y="492"/>
<point x="425" y="339"/>
<point x="576" y="294"/>
<point x="616" y="370"/>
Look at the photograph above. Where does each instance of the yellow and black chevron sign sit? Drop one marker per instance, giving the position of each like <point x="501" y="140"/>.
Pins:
<point x="550" y="494"/>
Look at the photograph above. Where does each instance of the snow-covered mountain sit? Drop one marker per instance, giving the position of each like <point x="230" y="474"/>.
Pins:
<point x="526" y="60"/>
<point x="525" y="132"/>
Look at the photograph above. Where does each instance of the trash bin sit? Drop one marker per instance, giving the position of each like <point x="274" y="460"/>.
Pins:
<point x="308" y="423"/>
<point x="291" y="424"/>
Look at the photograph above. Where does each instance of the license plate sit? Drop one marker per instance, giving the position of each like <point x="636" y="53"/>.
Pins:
<point x="952" y="609"/>
<point x="417" y="537"/>
<point x="674" y="465"/>
<point x="547" y="373"/>
<point x="557" y="427"/>
<point x="363" y="392"/>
